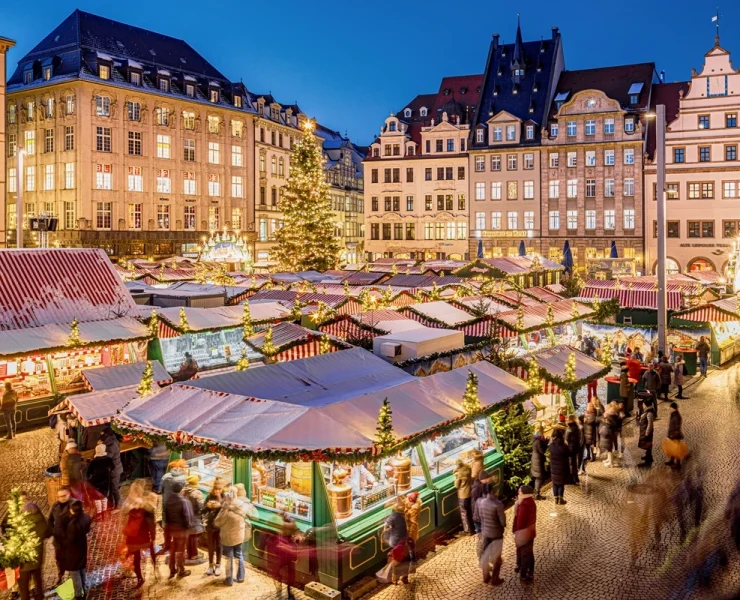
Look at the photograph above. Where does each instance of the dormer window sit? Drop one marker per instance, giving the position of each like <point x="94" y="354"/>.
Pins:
<point x="634" y="92"/>
<point x="275" y="113"/>
<point x="392" y="126"/>
<point x="479" y="136"/>
<point x="190" y="90"/>
<point x="28" y="77"/>
<point x="164" y="84"/>
<point x="407" y="113"/>
<point x="213" y="96"/>
<point x="518" y="72"/>
<point x="238" y="101"/>
<point x="47" y="73"/>
<point x="530" y="132"/>
<point x="104" y="71"/>
<point x="135" y="78"/>
<point x="510" y="133"/>
<point x="376" y="152"/>
<point x="423" y="111"/>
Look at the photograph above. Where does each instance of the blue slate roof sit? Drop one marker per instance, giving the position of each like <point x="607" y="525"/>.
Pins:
<point x="526" y="96"/>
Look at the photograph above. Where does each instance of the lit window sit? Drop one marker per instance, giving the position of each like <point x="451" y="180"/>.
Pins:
<point x="480" y="191"/>
<point x="590" y="220"/>
<point x="629" y="218"/>
<point x="554" y="220"/>
<point x="528" y="220"/>
<point x="572" y="189"/>
<point x="135" y="212"/>
<point x="135" y="180"/>
<point x="163" y="146"/>
<point x="104" y="71"/>
<point x="188" y="120"/>
<point x="48" y="177"/>
<point x="571" y="220"/>
<point x="529" y="190"/>
<point x="102" y="106"/>
<point x="162" y="115"/>
<point x="214" y="124"/>
<point x="189" y="222"/>
<point x="479" y="136"/>
<point x="103" y="176"/>
<point x="188" y="183"/>
<point x="495" y="220"/>
<point x="629" y="186"/>
<point x="214" y="185"/>
<point x="496" y="187"/>
<point x="236" y="156"/>
<point x="590" y="158"/>
<point x="554" y="189"/>
<point x="69" y="176"/>
<point x="513" y="219"/>
<point x="135" y="78"/>
<point x="164" y="183"/>
<point x="30" y="142"/>
<point x="214" y="153"/>
<point x="163" y="216"/>
<point x="237" y="188"/>
<point x="572" y="159"/>
<point x="610" y="221"/>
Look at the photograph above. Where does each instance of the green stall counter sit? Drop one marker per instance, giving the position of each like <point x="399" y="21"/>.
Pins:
<point x="690" y="358"/>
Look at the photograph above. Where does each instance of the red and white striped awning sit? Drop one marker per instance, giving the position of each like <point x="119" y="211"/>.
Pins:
<point x="304" y="350"/>
<point x="634" y="298"/>
<point x="726" y="309"/>
<point x="523" y="373"/>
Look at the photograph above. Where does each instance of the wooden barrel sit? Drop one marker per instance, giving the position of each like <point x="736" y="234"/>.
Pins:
<point x="401" y="471"/>
<point x="301" y="474"/>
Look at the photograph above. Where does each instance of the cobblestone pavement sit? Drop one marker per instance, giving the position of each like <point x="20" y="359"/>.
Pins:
<point x="582" y="548"/>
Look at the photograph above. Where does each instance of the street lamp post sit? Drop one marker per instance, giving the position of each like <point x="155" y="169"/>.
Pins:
<point x="660" y="159"/>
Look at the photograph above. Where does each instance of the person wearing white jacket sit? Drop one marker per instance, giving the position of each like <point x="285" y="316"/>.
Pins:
<point x="235" y="530"/>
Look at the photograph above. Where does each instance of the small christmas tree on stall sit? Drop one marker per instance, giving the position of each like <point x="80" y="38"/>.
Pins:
<point x="606" y="352"/>
<point x="434" y="294"/>
<point x="324" y="345"/>
<point x="242" y="363"/>
<point x="296" y="313"/>
<point x="384" y="437"/>
<point x="322" y="314"/>
<point x="184" y="325"/>
<point x="520" y="319"/>
<point x="534" y="380"/>
<point x="394" y="269"/>
<point x="550" y="319"/>
<point x="471" y="401"/>
<point x="574" y="312"/>
<point x="306" y="241"/>
<point x="146" y="385"/>
<point x="74" y="339"/>
<point x="268" y="349"/>
<point x="346" y="290"/>
<point x="153" y="326"/>
<point x="570" y="369"/>
<point x="365" y="298"/>
<point x="18" y="546"/>
<point x="247" y="329"/>
<point x="386" y="297"/>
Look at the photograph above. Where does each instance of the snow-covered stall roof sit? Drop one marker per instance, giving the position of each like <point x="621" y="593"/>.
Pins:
<point x="491" y="307"/>
<point x="222" y="317"/>
<point x="341" y="418"/>
<point x="443" y="312"/>
<point x="96" y="408"/>
<point x="536" y="316"/>
<point x="553" y="361"/>
<point x="43" y="286"/>
<point x="109" y="378"/>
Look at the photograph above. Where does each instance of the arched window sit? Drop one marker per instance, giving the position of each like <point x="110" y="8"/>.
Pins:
<point x="407" y="113"/>
<point x="423" y="111"/>
<point x="701" y="264"/>
<point x="281" y="167"/>
<point x="273" y="165"/>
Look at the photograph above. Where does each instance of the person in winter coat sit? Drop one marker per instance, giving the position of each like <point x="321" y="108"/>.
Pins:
<point x="33" y="570"/>
<point x="646" y="432"/>
<point x="703" y="349"/>
<point x="634" y="368"/>
<point x="651" y="381"/>
<point x="192" y="494"/>
<point x="8" y="408"/>
<point x="590" y="433"/>
<point x="159" y="456"/>
<point x="209" y="513"/>
<point x="525" y="530"/>
<point x="666" y="370"/>
<point x="618" y="420"/>
<point x="395" y="533"/>
<point x="625" y="387"/>
<point x="140" y="529"/>
<point x="479" y="489"/>
<point x="675" y="431"/>
<point x="493" y="525"/>
<point x="282" y="551"/>
<point x="232" y="523"/>
<point x="679" y="377"/>
<point x="58" y="519"/>
<point x="176" y="475"/>
<point x="537" y="470"/>
<point x="573" y="441"/>
<point x="463" y="484"/>
<point x="412" y="508"/>
<point x="99" y="473"/>
<point x="71" y="467"/>
<point x="559" y="465"/>
<point x="74" y="557"/>
<point x="607" y="435"/>
<point x="179" y="514"/>
<point x="477" y="464"/>
<point x="113" y="450"/>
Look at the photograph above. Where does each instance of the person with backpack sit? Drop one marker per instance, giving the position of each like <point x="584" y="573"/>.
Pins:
<point x="679" y="374"/>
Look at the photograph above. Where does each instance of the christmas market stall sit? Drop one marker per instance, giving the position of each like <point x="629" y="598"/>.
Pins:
<point x="333" y="441"/>
<point x="61" y="311"/>
<point x="110" y="378"/>
<point x="288" y="341"/>
<point x="445" y="315"/>
<point x="525" y="271"/>
<point x="720" y="322"/>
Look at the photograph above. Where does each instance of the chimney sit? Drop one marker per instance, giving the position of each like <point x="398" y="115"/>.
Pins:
<point x="495" y="41"/>
<point x="555" y="33"/>
<point x="662" y="77"/>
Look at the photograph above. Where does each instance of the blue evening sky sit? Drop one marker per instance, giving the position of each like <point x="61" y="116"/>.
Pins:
<point x="350" y="64"/>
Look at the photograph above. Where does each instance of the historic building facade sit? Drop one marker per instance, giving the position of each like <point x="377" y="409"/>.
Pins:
<point x="702" y="168"/>
<point x="139" y="148"/>
<point x="504" y="157"/>
<point x="417" y="185"/>
<point x="5" y="45"/>
<point x="591" y="163"/>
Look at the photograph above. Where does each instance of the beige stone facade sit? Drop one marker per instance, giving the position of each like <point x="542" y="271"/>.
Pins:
<point x="5" y="45"/>
<point x="416" y="197"/>
<point x="702" y="169"/>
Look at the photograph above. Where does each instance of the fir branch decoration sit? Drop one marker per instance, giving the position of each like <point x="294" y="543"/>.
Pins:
<point x="146" y="385"/>
<point x="384" y="438"/>
<point x="19" y="545"/>
<point x="184" y="325"/>
<point x="306" y="241"/>
<point x="74" y="340"/>
<point x="470" y="400"/>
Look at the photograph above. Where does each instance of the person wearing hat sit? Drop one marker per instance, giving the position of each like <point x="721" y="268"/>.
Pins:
<point x="647" y="417"/>
<point x="71" y="465"/>
<point x="99" y="473"/>
<point x="176" y="475"/>
<point x="188" y="369"/>
<point x="525" y="530"/>
<point x="411" y="512"/>
<point x="192" y="494"/>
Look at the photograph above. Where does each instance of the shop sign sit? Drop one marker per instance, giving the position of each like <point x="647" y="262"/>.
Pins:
<point x="505" y="233"/>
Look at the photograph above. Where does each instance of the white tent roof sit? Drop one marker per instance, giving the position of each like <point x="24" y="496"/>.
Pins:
<point x="491" y="306"/>
<point x="419" y="334"/>
<point x="109" y="378"/>
<point x="442" y="311"/>
<point x="201" y="319"/>
<point x="96" y="408"/>
<point x="553" y="360"/>
<point x="396" y="326"/>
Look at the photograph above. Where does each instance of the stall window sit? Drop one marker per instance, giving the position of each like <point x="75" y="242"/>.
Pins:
<point x="443" y="452"/>
<point x="210" y="467"/>
<point x="28" y="375"/>
<point x="285" y="487"/>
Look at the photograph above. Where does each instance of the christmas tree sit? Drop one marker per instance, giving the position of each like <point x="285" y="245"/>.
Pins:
<point x="570" y="369"/>
<point x="268" y="349"/>
<point x="574" y="313"/>
<point x="247" y="329"/>
<point x="470" y="401"/>
<point x="386" y="297"/>
<point x="18" y="546"/>
<point x="365" y="298"/>
<point x="306" y="241"/>
<point x="146" y="385"/>
<point x="519" y="319"/>
<point x="384" y="438"/>
<point x="606" y="352"/>
<point x="242" y="364"/>
<point x="514" y="435"/>
<point x="534" y="381"/>
<point x="74" y="339"/>
<point x="550" y="319"/>
<point x="184" y="325"/>
<point x="153" y="324"/>
<point x="346" y="290"/>
<point x="434" y="293"/>
<point x="296" y="313"/>
<point x="324" y="345"/>
<point x="322" y="314"/>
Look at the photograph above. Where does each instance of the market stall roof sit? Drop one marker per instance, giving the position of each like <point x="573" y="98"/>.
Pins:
<point x="516" y="299"/>
<point x="727" y="309"/>
<point x="363" y="278"/>
<point x="543" y="294"/>
<point x="491" y="307"/>
<point x="706" y="277"/>
<point x="535" y="317"/>
<point x="283" y="334"/>
<point x="229" y="291"/>
<point x="507" y="265"/>
<point x="221" y="317"/>
<point x="96" y="408"/>
<point x="422" y="281"/>
<point x="552" y="363"/>
<point x="648" y="283"/>
<point x="109" y="378"/>
<point x="55" y="337"/>
<point x="632" y="298"/>
<point x="441" y="311"/>
<point x="44" y="286"/>
<point x="341" y="418"/>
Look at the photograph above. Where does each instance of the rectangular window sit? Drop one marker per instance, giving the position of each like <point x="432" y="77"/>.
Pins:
<point x="386" y="231"/>
<point x="214" y="153"/>
<point x="134" y="111"/>
<point x="729" y="189"/>
<point x="448" y="173"/>
<point x="237" y="187"/>
<point x="49" y="140"/>
<point x="163" y="146"/>
<point x="629" y="218"/>
<point x="104" y="215"/>
<point x="237" y="157"/>
<point x="135" y="180"/>
<point x="572" y="159"/>
<point x="609" y="157"/>
<point x="189" y="150"/>
<point x="48" y="177"/>
<point x="69" y="176"/>
<point x="428" y="202"/>
<point x="428" y="231"/>
<point x="163" y="216"/>
<point x="694" y="191"/>
<point x="236" y="219"/>
<point x="30" y="110"/>
<point x="629" y="156"/>
<point x="134" y="143"/>
<point x="69" y="215"/>
<point x="510" y="133"/>
<point x="214" y="218"/>
<point x="554" y="130"/>
<point x="629" y="186"/>
<point x="554" y="220"/>
<point x="554" y="189"/>
<point x="102" y="106"/>
<point x="495" y="220"/>
<point x="479" y="136"/>
<point x="513" y="218"/>
<point x="460" y="174"/>
<point x="528" y="161"/>
<point x="679" y="155"/>
<point x="188" y="183"/>
<point x="410" y="203"/>
<point x="214" y="185"/>
<point x="530" y="132"/>
<point x="495" y="162"/>
<point x="427" y="174"/>
<point x="164" y="183"/>
<point x="629" y="125"/>
<point x="104" y="71"/>
<point x="498" y="134"/>
<point x="590" y="220"/>
<point x="703" y="121"/>
<point x="214" y="124"/>
<point x="511" y="161"/>
<point x="608" y="126"/>
<point x="396" y="204"/>
<point x="188" y="120"/>
<point x="12" y="180"/>
<point x="731" y="152"/>
<point x="554" y="160"/>
<point x="590" y="188"/>
<point x="409" y="174"/>
<point x="451" y="231"/>
<point x="731" y="120"/>
<point x="590" y="158"/>
<point x="30" y="179"/>
<point x="608" y="188"/>
<point x="480" y="163"/>
<point x="30" y="137"/>
<point x="439" y="231"/>
<point x="69" y="138"/>
<point x="438" y="145"/>
<point x="135" y="215"/>
<point x="571" y="220"/>
<point x="450" y="145"/>
<point x="480" y="191"/>
<point x="572" y="128"/>
<point x="705" y="153"/>
<point x="694" y="229"/>
<point x="572" y="191"/>
<point x="461" y="202"/>
<point x="707" y="229"/>
<point x="528" y="220"/>
<point x="237" y="129"/>
<point x="480" y="221"/>
<point x="103" y="177"/>
<point x="529" y="190"/>
<point x="189" y="217"/>
<point x="610" y="220"/>
<point x="707" y="190"/>
<point x="462" y="231"/>
<point x="672" y="192"/>
<point x="590" y="127"/>
<point x="374" y="204"/>
<point x="440" y="173"/>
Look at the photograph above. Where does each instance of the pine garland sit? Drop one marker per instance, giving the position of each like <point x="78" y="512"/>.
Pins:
<point x="470" y="401"/>
<point x="18" y="546"/>
<point x="184" y="325"/>
<point x="306" y="241"/>
<point x="74" y="340"/>
<point x="384" y="437"/>
<point x="146" y="385"/>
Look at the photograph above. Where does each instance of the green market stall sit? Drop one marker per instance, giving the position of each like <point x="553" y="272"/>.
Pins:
<point x="721" y="319"/>
<point x="305" y="443"/>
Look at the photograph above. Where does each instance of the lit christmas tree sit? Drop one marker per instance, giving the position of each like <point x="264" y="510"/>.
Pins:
<point x="306" y="241"/>
<point x="606" y="352"/>
<point x="74" y="339"/>
<point x="146" y="385"/>
<point x="184" y="325"/>
<point x="346" y="290"/>
<point x="386" y="297"/>
<point x="242" y="363"/>
<point x="519" y="318"/>
<point x="268" y="349"/>
<point x="394" y="269"/>
<point x="384" y="437"/>
<point x="434" y="294"/>
<point x="247" y="329"/>
<point x="574" y="313"/>
<point x="365" y="299"/>
<point x="296" y="313"/>
<point x="570" y="369"/>
<point x="153" y="324"/>
<point x="550" y="319"/>
<point x="534" y="381"/>
<point x="324" y="345"/>
<point x="322" y="314"/>
<point x="470" y="400"/>
<point x="18" y="546"/>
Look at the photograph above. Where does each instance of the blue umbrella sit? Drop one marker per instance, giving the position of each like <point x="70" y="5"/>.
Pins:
<point x="613" y="253"/>
<point x="480" y="248"/>
<point x="567" y="258"/>
<point x="522" y="249"/>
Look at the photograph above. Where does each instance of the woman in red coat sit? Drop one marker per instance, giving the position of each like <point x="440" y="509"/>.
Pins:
<point x="140" y="529"/>
<point x="525" y="530"/>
